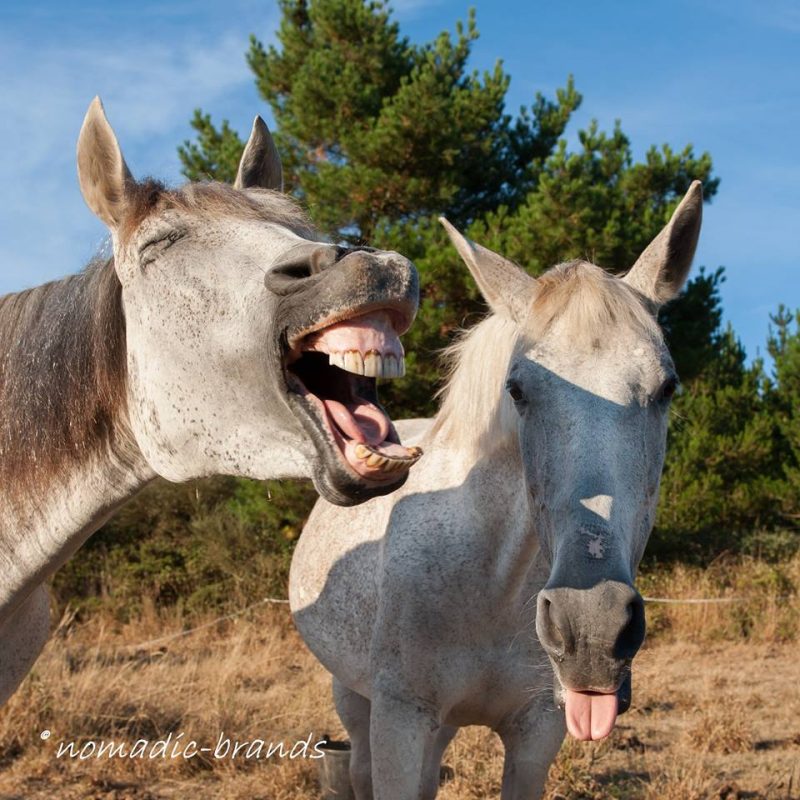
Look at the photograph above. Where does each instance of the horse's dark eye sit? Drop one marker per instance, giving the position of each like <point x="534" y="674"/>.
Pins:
<point x="669" y="388"/>
<point x="515" y="391"/>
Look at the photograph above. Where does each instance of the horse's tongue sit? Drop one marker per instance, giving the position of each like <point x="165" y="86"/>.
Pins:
<point x="590" y="715"/>
<point x="361" y="421"/>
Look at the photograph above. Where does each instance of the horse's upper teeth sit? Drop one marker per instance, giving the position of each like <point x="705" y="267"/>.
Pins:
<point x="373" y="364"/>
<point x="354" y="362"/>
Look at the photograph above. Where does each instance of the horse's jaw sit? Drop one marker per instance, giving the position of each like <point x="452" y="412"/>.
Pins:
<point x="339" y="330"/>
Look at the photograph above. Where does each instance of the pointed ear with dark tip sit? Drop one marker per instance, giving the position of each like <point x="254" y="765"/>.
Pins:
<point x="260" y="165"/>
<point x="507" y="288"/>
<point x="103" y="175"/>
<point x="661" y="270"/>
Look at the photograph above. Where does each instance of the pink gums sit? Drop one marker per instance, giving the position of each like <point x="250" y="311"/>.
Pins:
<point x="368" y="332"/>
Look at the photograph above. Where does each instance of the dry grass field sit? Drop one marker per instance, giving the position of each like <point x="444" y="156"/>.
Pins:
<point x="716" y="706"/>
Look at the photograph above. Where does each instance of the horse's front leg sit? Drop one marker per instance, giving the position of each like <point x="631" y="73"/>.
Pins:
<point x="532" y="739"/>
<point x="402" y="733"/>
<point x="431" y="773"/>
<point x="354" y="712"/>
<point x="22" y="637"/>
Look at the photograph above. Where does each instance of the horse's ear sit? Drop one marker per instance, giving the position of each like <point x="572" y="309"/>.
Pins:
<point x="661" y="270"/>
<point x="260" y="165"/>
<point x="103" y="175"/>
<point x="507" y="288"/>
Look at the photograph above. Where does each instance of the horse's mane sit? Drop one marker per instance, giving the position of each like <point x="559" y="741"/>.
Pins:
<point x="588" y="301"/>
<point x="476" y="411"/>
<point x="62" y="372"/>
<point x="63" y="377"/>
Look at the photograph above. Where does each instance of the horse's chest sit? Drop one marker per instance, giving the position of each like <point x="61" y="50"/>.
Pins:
<point x="481" y="686"/>
<point x="483" y="689"/>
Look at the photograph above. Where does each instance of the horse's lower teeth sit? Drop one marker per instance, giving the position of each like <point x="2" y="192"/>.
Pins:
<point x="387" y="463"/>
<point x="373" y="364"/>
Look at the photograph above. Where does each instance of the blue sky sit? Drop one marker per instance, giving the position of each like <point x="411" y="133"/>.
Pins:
<point x="723" y="75"/>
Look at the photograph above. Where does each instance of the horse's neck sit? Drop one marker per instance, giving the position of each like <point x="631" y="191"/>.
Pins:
<point x="491" y="516"/>
<point x="67" y="459"/>
<point x="475" y="434"/>
<point x="40" y="531"/>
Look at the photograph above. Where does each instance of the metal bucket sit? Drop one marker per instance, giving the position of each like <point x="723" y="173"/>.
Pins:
<point x="334" y="770"/>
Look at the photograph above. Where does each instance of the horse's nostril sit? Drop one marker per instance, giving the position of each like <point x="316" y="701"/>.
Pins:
<point x="301" y="262"/>
<point x="293" y="270"/>
<point x="632" y="634"/>
<point x="551" y="635"/>
<point x="325" y="257"/>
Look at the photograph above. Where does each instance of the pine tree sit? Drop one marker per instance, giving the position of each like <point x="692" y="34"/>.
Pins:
<point x="597" y="204"/>
<point x="723" y="478"/>
<point x="784" y="347"/>
<point x="372" y="128"/>
<point x="380" y="135"/>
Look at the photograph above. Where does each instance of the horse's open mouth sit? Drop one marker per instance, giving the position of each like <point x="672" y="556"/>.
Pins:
<point x="334" y="372"/>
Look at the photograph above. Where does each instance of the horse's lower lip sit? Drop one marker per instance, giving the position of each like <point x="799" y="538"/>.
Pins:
<point x="367" y="475"/>
<point x="624" y="694"/>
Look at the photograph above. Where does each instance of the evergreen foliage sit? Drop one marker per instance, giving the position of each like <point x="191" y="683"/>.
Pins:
<point x="380" y="136"/>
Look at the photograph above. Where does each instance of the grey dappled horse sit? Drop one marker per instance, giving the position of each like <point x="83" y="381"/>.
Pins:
<point x="535" y="498"/>
<point x="222" y="337"/>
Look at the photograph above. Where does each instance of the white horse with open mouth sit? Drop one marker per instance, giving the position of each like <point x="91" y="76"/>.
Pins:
<point x="538" y="490"/>
<point x="222" y="337"/>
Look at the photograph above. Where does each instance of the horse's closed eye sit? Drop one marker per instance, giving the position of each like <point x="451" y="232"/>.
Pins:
<point x="151" y="249"/>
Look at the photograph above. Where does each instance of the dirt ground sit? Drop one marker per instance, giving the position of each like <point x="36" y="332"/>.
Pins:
<point x="709" y="720"/>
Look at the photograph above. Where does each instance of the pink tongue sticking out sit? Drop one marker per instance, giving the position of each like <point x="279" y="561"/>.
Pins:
<point x="360" y="421"/>
<point x="368" y="332"/>
<point x="365" y="424"/>
<point x="590" y="715"/>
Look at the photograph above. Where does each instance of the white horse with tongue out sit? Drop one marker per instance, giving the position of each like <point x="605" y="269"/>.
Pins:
<point x="538" y="485"/>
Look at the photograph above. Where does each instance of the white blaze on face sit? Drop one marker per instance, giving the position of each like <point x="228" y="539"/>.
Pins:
<point x="601" y="505"/>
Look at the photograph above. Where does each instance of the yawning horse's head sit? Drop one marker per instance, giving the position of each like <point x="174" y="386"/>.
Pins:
<point x="253" y="347"/>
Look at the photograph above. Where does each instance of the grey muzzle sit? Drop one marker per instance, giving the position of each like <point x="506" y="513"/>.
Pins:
<point x="591" y="634"/>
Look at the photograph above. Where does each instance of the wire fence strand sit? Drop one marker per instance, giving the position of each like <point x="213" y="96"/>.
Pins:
<point x="189" y="631"/>
<point x="710" y="600"/>
<point x="282" y="601"/>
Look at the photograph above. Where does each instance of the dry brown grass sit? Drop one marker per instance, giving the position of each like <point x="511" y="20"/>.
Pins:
<point x="722" y="728"/>
<point x="714" y="718"/>
<point x="770" y="611"/>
